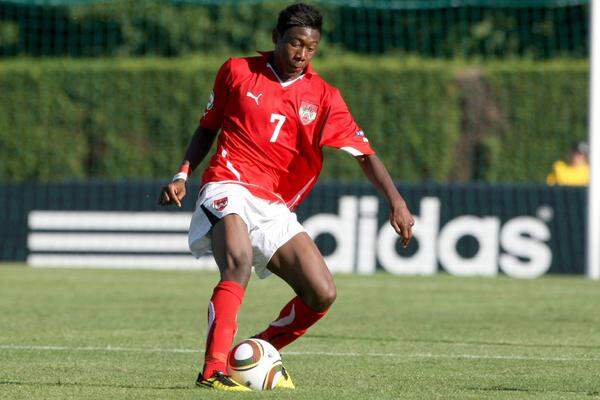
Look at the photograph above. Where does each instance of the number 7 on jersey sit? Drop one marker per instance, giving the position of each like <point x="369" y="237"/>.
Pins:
<point x="280" y="119"/>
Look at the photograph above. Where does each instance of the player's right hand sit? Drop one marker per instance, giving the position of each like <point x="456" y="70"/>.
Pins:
<point x="172" y="193"/>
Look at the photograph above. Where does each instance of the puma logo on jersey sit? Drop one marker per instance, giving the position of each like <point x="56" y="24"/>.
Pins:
<point x="255" y="98"/>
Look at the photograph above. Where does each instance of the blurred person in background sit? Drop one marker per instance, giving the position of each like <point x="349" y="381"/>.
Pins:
<point x="274" y="114"/>
<point x="575" y="172"/>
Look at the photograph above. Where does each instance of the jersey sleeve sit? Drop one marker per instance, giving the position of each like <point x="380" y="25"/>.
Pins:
<point x="217" y="99"/>
<point x="341" y="131"/>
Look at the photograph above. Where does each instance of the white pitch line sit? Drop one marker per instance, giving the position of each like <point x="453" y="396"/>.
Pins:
<point x="91" y="348"/>
<point x="305" y="353"/>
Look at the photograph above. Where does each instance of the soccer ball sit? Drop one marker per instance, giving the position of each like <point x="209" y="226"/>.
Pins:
<point x="256" y="364"/>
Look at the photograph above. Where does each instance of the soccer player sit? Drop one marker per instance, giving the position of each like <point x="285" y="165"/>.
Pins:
<point x="274" y="114"/>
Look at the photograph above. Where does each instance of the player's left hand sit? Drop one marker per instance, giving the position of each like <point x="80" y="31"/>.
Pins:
<point x="402" y="221"/>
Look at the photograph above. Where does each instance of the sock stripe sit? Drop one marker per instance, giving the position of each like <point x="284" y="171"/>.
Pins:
<point x="211" y="317"/>
<point x="294" y="320"/>
<point x="281" y="322"/>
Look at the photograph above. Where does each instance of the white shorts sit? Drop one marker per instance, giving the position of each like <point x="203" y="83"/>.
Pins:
<point x="270" y="225"/>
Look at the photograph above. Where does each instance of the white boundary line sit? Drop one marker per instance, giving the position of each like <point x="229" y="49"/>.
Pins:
<point x="305" y="353"/>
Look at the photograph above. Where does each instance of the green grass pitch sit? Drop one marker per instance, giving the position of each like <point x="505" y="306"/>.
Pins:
<point x="116" y="334"/>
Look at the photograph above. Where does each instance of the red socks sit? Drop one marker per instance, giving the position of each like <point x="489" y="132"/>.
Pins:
<point x="222" y="325"/>
<point x="293" y="321"/>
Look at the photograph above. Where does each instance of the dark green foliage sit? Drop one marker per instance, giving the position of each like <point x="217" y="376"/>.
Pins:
<point x="545" y="109"/>
<point x="105" y="118"/>
<point x="41" y="135"/>
<point x="408" y="110"/>
<point x="133" y="118"/>
<point x="175" y="28"/>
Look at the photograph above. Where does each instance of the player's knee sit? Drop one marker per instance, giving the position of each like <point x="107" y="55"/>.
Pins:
<point x="240" y="260"/>
<point x="238" y="266"/>
<point x="324" y="297"/>
<point x="328" y="296"/>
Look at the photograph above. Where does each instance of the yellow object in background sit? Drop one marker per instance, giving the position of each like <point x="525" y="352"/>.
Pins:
<point x="565" y="174"/>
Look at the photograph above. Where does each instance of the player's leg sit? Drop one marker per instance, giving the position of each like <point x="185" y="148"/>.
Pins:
<point x="233" y="253"/>
<point x="300" y="263"/>
<point x="232" y="249"/>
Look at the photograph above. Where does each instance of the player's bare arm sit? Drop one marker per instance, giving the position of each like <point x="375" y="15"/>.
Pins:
<point x="400" y="216"/>
<point x="197" y="149"/>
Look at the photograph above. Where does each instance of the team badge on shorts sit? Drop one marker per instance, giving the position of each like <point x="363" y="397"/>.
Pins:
<point x="220" y="204"/>
<point x="308" y="112"/>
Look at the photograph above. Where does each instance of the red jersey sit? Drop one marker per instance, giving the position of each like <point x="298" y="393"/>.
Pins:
<point x="272" y="132"/>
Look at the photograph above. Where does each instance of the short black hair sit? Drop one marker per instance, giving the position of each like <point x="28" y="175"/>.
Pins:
<point x="299" y="14"/>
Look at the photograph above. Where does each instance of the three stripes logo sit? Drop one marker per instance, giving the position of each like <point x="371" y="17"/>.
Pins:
<point x="150" y="240"/>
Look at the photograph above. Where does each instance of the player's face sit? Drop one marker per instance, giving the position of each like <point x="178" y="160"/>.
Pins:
<point x="294" y="50"/>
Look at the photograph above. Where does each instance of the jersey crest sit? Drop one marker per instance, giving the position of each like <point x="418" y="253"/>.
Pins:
<point x="308" y="112"/>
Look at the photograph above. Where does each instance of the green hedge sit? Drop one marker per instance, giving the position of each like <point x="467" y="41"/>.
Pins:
<point x="544" y="109"/>
<point x="66" y="119"/>
<point x="448" y="29"/>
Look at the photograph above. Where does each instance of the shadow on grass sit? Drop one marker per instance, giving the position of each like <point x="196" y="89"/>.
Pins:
<point x="525" y="390"/>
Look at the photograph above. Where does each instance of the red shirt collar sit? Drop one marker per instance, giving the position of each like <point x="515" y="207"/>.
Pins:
<point x="308" y="72"/>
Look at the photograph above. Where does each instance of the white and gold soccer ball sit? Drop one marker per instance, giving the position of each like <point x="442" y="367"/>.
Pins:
<point x="256" y="364"/>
